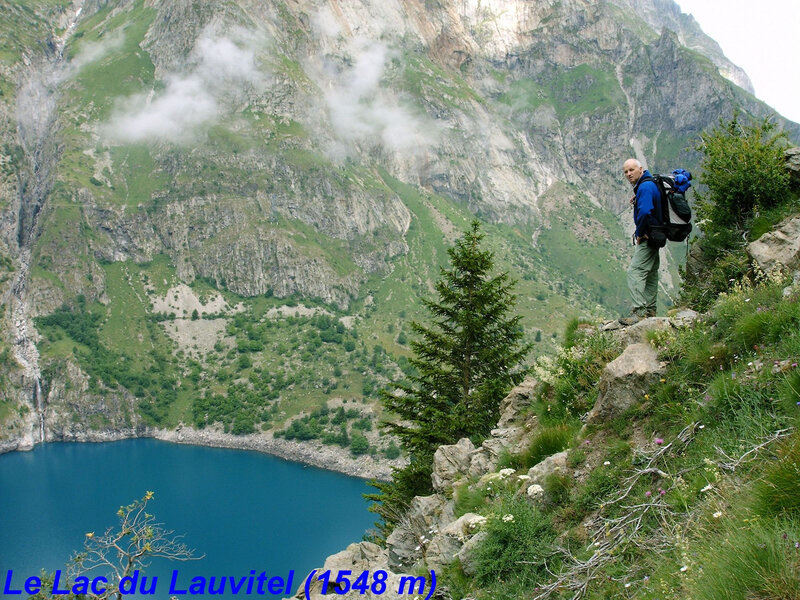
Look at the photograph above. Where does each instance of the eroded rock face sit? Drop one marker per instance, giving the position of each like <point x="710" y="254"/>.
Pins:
<point x="406" y="544"/>
<point x="451" y="463"/>
<point x="625" y="381"/>
<point x="779" y="248"/>
<point x="447" y="543"/>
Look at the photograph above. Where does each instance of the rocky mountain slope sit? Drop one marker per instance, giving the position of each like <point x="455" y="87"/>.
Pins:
<point x="225" y="213"/>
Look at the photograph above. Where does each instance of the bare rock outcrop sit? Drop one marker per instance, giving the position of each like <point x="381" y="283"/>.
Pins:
<point x="779" y="248"/>
<point x="625" y="381"/>
<point x="451" y="463"/>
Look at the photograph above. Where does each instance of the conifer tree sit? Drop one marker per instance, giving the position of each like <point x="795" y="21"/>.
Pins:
<point x="466" y="360"/>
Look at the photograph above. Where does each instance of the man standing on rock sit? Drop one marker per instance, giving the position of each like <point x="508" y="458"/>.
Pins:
<point x="643" y="272"/>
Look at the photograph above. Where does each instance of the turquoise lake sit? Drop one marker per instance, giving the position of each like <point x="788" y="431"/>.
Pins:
<point x="244" y="510"/>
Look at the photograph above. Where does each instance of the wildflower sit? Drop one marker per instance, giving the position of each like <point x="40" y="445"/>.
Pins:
<point x="523" y="477"/>
<point x="702" y="427"/>
<point x="627" y="585"/>
<point x="662" y="492"/>
<point x="647" y="396"/>
<point x="717" y="515"/>
<point x="508" y="518"/>
<point x="797" y="544"/>
<point x="606" y="463"/>
<point x="90" y="534"/>
<point x="684" y="568"/>
<point x="708" y="487"/>
<point x="794" y="365"/>
<point x="587" y="442"/>
<point x="648" y="493"/>
<point x="659" y="441"/>
<point x="505" y="473"/>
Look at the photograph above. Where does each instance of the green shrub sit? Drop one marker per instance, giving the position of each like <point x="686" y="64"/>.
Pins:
<point x="744" y="169"/>
<point x="468" y="499"/>
<point x="518" y="545"/>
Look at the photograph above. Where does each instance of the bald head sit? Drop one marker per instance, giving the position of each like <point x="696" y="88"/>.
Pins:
<point x="632" y="169"/>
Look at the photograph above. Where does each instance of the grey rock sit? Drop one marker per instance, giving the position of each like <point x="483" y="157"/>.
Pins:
<point x="636" y="332"/>
<point x="625" y="381"/>
<point x="685" y="318"/>
<point x="406" y="544"/>
<point x="779" y="248"/>
<point x="446" y="544"/>
<point x="467" y="553"/>
<point x="517" y="399"/>
<point x="451" y="463"/>
<point x="557" y="463"/>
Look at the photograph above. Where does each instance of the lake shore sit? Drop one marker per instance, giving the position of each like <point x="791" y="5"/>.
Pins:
<point x="312" y="453"/>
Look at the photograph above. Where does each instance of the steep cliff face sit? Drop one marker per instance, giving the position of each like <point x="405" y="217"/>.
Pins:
<point x="321" y="150"/>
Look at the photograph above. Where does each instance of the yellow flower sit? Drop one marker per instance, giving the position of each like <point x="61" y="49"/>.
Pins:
<point x="148" y="496"/>
<point x="90" y="534"/>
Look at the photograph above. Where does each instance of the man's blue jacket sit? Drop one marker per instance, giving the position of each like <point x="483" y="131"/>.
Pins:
<point x="647" y="208"/>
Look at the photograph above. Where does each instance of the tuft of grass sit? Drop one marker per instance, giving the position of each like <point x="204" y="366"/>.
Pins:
<point x="777" y="493"/>
<point x="756" y="560"/>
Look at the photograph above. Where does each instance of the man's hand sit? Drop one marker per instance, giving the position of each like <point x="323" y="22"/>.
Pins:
<point x="639" y="240"/>
<point x="632" y="201"/>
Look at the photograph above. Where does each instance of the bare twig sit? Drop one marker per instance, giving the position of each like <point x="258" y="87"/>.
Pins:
<point x="732" y="464"/>
<point x="613" y="535"/>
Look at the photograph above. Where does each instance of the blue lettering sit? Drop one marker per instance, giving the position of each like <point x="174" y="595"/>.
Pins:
<point x="173" y="581"/>
<point x="127" y="585"/>
<point x="275" y="585"/>
<point x="81" y="585"/>
<point x="55" y="589"/>
<point x="198" y="585"/>
<point x="95" y="581"/>
<point x="7" y="587"/>
<point x="235" y="587"/>
<point x="220" y="589"/>
<point x="33" y="585"/>
<point x="288" y="590"/>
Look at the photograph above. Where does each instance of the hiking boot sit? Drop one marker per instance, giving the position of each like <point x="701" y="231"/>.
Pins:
<point x="632" y="319"/>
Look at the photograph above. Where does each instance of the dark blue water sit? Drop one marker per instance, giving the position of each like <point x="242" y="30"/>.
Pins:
<point x="244" y="510"/>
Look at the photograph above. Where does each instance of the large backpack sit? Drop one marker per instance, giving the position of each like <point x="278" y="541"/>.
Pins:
<point x="676" y="215"/>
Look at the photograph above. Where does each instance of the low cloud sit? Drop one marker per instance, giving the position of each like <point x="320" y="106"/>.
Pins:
<point x="364" y="112"/>
<point x="90" y="52"/>
<point x="220" y="72"/>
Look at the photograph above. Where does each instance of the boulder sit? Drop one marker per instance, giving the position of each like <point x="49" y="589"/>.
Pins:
<point x="466" y="555"/>
<point x="451" y="463"/>
<point x="517" y="399"/>
<point x="446" y="544"/>
<point x="406" y="544"/>
<point x="778" y="249"/>
<point x="636" y="332"/>
<point x="685" y="318"/>
<point x="625" y="381"/>
<point x="355" y="559"/>
<point x="557" y="463"/>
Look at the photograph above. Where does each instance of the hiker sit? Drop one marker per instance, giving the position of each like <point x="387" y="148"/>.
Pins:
<point x="643" y="272"/>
